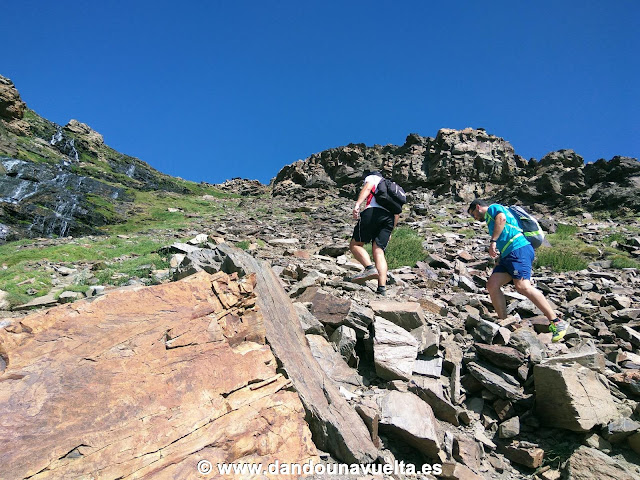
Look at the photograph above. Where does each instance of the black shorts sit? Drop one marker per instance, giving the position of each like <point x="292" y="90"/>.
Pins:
<point x="375" y="224"/>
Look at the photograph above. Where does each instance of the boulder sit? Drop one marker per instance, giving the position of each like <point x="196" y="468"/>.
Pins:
<point x="578" y="397"/>
<point x="327" y="308"/>
<point x="95" y="382"/>
<point x="334" y="250"/>
<point x="523" y="453"/>
<point x="309" y="323"/>
<point x="458" y="471"/>
<point x="428" y="339"/>
<point x="504" y="357"/>
<point x="629" y="380"/>
<point x="394" y="350"/>
<point x="618" y="430"/>
<point x="588" y="463"/>
<point x="198" y="260"/>
<point x="585" y="354"/>
<point x="428" y="366"/>
<point x="406" y="416"/>
<point x="526" y="341"/>
<point x="408" y="315"/>
<point x="484" y="331"/>
<point x="344" y="339"/>
<point x="333" y="363"/>
<point x="496" y="381"/>
<point x="467" y="451"/>
<point x="596" y="441"/>
<point x="430" y="390"/>
<point x="359" y="318"/>
<point x="509" y="428"/>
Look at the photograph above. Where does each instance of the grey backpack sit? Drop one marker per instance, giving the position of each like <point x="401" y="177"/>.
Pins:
<point x="529" y="225"/>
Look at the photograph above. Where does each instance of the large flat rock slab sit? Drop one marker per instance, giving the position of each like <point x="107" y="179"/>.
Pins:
<point x="145" y="383"/>
<point x="579" y="397"/>
<point x="336" y="426"/>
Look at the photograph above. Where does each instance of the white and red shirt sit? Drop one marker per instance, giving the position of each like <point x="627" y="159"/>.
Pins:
<point x="371" y="199"/>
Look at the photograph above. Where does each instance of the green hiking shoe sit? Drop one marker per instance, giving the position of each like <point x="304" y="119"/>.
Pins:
<point x="558" y="330"/>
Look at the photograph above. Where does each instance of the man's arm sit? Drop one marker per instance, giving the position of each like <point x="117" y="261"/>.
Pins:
<point x="364" y="193"/>
<point x="498" y="226"/>
<point x="396" y="217"/>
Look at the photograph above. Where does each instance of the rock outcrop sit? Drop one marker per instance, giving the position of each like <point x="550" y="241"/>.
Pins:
<point x="12" y="108"/>
<point x="146" y="382"/>
<point x="464" y="164"/>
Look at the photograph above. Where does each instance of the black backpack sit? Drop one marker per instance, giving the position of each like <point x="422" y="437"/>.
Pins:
<point x="390" y="195"/>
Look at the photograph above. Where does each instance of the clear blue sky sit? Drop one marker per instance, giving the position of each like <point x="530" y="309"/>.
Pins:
<point x="210" y="90"/>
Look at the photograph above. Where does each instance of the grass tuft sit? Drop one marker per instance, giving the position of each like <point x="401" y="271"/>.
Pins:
<point x="404" y="249"/>
<point x="559" y="259"/>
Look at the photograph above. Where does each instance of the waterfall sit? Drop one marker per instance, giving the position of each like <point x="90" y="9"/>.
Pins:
<point x="68" y="145"/>
<point x="57" y="137"/>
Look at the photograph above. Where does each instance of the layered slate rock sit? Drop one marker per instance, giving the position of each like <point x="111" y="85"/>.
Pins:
<point x="578" y="398"/>
<point x="146" y="382"/>
<point x="336" y="427"/>
<point x="497" y="382"/>
<point x="332" y="362"/>
<point x="330" y="310"/>
<point x="408" y="315"/>
<point x="588" y="463"/>
<point x="406" y="416"/>
<point x="394" y="350"/>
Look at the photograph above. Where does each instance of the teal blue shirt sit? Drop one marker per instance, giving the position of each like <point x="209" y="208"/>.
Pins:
<point x="511" y="237"/>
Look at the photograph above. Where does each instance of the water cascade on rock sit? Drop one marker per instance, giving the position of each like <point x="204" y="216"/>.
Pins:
<point x="64" y="144"/>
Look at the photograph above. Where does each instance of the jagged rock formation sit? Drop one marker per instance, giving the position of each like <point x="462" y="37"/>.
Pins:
<point x="146" y="383"/>
<point x="243" y="187"/>
<point x="12" y="108"/>
<point x="469" y="163"/>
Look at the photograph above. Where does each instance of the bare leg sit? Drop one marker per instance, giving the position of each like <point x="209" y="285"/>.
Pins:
<point x="524" y="287"/>
<point x="494" y="286"/>
<point x="381" y="264"/>
<point x="359" y="253"/>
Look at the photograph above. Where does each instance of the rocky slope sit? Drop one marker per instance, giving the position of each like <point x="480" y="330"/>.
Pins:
<point x="429" y="370"/>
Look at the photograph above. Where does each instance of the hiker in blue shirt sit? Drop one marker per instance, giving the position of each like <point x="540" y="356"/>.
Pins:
<point x="516" y="258"/>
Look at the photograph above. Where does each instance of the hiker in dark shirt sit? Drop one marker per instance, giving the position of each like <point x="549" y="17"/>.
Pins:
<point x="516" y="260"/>
<point x="375" y="224"/>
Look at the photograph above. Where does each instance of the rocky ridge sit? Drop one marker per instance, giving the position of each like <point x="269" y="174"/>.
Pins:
<point x="470" y="163"/>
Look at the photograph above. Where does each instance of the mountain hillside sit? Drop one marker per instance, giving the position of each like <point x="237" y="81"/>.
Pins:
<point x="64" y="180"/>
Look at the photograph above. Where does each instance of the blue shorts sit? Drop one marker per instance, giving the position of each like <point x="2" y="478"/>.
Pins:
<point x="517" y="263"/>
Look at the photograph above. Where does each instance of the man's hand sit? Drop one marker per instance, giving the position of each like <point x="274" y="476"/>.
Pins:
<point x="493" y="251"/>
<point x="356" y="212"/>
